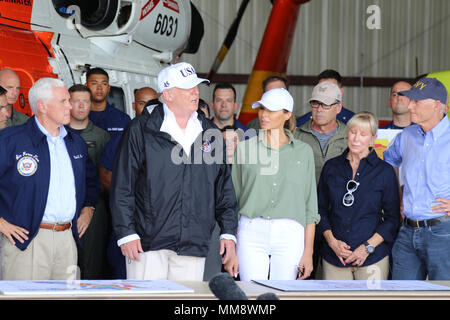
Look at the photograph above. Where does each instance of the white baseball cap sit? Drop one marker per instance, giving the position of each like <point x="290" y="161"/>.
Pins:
<point x="180" y="75"/>
<point x="326" y="92"/>
<point x="275" y="100"/>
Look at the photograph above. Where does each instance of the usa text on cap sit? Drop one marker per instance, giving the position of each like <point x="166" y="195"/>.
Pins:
<point x="181" y="75"/>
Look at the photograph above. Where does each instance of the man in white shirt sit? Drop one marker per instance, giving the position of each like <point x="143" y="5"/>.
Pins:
<point x="165" y="199"/>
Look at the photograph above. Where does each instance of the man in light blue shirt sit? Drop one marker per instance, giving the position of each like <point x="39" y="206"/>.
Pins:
<point x="44" y="178"/>
<point x="422" y="247"/>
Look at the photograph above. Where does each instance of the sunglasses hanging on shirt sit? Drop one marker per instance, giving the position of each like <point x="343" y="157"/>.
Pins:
<point x="349" y="198"/>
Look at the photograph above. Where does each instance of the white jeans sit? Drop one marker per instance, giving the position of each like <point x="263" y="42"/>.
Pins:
<point x="269" y="248"/>
<point x="165" y="264"/>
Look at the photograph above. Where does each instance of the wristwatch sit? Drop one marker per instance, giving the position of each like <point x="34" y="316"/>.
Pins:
<point x="369" y="248"/>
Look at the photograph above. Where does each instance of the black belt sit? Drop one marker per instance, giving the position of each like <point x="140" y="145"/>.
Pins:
<point x="424" y="223"/>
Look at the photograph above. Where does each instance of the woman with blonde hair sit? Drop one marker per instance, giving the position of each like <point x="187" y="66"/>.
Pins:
<point x="359" y="206"/>
<point x="274" y="180"/>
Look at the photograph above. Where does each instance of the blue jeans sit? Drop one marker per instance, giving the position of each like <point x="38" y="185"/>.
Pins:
<point x="420" y="252"/>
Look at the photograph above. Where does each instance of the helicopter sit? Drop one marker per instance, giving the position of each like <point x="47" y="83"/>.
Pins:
<point x="131" y="40"/>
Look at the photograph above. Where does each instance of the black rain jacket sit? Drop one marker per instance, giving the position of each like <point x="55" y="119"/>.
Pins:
<point x="171" y="205"/>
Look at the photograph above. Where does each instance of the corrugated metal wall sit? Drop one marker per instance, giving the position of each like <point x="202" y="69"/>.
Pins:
<point x="334" y="34"/>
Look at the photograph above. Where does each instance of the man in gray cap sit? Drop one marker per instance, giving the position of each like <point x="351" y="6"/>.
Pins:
<point x="326" y="135"/>
<point x="323" y="132"/>
<point x="163" y="209"/>
<point x="422" y="245"/>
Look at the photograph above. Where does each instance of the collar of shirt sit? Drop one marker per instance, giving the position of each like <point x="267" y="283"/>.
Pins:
<point x="262" y="140"/>
<point x="184" y="137"/>
<point x="62" y="132"/>
<point x="372" y="158"/>
<point x="438" y="129"/>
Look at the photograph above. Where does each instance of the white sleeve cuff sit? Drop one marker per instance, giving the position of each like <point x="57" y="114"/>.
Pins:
<point x="126" y="239"/>
<point x="228" y="237"/>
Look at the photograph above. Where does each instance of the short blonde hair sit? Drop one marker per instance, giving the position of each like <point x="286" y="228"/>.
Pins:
<point x="364" y="119"/>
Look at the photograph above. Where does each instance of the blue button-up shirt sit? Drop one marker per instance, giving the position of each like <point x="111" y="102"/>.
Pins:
<point x="61" y="202"/>
<point x="376" y="208"/>
<point x="425" y="159"/>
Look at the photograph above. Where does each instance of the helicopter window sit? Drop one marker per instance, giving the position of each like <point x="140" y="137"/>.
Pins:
<point x="116" y="98"/>
<point x="124" y="15"/>
<point x="95" y="14"/>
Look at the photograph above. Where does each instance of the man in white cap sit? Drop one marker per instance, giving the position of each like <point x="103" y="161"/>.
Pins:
<point x="325" y="134"/>
<point x="164" y="209"/>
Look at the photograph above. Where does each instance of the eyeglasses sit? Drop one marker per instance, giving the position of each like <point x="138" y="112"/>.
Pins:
<point x="317" y="104"/>
<point x="348" y="198"/>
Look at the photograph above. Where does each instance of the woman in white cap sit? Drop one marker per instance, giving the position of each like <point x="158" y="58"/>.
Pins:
<point x="274" y="180"/>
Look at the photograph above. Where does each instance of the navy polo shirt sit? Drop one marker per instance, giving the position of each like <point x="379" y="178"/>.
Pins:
<point x="111" y="120"/>
<point x="376" y="208"/>
<point x="114" y="122"/>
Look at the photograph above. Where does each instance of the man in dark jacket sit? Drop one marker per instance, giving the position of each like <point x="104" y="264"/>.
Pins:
<point x="171" y="185"/>
<point x="46" y="178"/>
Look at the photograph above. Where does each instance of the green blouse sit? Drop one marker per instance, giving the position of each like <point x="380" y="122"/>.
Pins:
<point x="275" y="184"/>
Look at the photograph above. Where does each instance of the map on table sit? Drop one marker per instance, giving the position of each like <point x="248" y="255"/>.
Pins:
<point x="351" y="285"/>
<point x="62" y="287"/>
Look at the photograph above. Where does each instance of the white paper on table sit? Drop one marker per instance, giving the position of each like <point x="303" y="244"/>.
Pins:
<point x="63" y="287"/>
<point x="351" y="285"/>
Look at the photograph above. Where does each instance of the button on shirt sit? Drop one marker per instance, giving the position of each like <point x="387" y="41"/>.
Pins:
<point x="425" y="158"/>
<point x="376" y="207"/>
<point x="61" y="201"/>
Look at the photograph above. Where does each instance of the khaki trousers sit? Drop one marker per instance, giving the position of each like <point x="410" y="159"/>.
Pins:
<point x="165" y="265"/>
<point x="376" y="271"/>
<point x="51" y="255"/>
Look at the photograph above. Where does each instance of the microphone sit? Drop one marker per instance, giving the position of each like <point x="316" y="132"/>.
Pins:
<point x="268" y="296"/>
<point x="224" y="287"/>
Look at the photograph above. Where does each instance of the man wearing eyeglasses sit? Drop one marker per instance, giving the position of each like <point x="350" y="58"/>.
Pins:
<point x="326" y="135"/>
<point x="422" y="246"/>
<point x="334" y="77"/>
<point x="323" y="132"/>
<point x="399" y="106"/>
